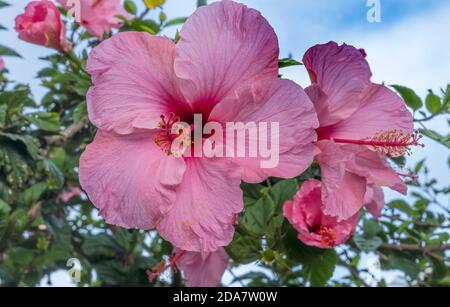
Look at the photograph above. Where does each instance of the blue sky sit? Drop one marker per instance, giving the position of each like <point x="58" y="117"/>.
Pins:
<point x="410" y="46"/>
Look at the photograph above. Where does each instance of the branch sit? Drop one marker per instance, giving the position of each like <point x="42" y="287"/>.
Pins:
<point x="439" y="112"/>
<point x="414" y="248"/>
<point x="353" y="272"/>
<point x="68" y="133"/>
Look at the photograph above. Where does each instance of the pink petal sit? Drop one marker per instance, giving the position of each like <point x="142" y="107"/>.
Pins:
<point x="374" y="167"/>
<point x="374" y="200"/>
<point x="204" y="270"/>
<point x="342" y="73"/>
<point x="380" y="110"/>
<point x="207" y="201"/>
<point x="273" y="101"/>
<point x="314" y="227"/>
<point x="342" y="192"/>
<point x="223" y="46"/>
<point x="134" y="82"/>
<point x="129" y="179"/>
<point x="99" y="17"/>
<point x="346" y="228"/>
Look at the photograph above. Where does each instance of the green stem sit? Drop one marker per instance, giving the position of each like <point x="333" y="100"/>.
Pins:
<point x="75" y="61"/>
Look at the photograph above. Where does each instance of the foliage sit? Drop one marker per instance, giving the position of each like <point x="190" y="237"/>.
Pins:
<point x="40" y="146"/>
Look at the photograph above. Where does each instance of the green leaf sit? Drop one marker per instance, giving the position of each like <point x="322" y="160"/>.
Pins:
<point x="131" y="7"/>
<point x="433" y="103"/>
<point x="283" y="191"/>
<point x="409" y="96"/>
<point x="162" y="17"/>
<point x="46" y="121"/>
<point x="56" y="180"/>
<point x="4" y="207"/>
<point x="371" y="228"/>
<point x="8" y="52"/>
<point x="404" y="263"/>
<point x="419" y="166"/>
<point x="33" y="193"/>
<point x="20" y="256"/>
<point x="176" y="21"/>
<point x="59" y="157"/>
<point x="401" y="205"/>
<point x="320" y="268"/>
<point x="30" y="143"/>
<point x="148" y="25"/>
<point x="16" y="164"/>
<point x="440" y="269"/>
<point x="252" y="192"/>
<point x="80" y="112"/>
<point x="288" y="62"/>
<point x="3" y="4"/>
<point x="367" y="244"/>
<point x="244" y="250"/>
<point x="100" y="246"/>
<point x="256" y="217"/>
<point x="202" y="3"/>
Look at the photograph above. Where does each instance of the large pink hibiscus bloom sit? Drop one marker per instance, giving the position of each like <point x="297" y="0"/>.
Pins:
<point x="360" y="124"/>
<point x="225" y="67"/>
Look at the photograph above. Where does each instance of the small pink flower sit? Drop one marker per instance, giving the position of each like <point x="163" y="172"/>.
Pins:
<point x="41" y="24"/>
<point x="225" y="67"/>
<point x="70" y="193"/>
<point x="314" y="227"/>
<point x="99" y="16"/>
<point x="360" y="124"/>
<point x="2" y="64"/>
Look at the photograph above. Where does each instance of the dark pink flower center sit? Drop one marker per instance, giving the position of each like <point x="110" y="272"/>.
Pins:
<point x="327" y="236"/>
<point x="168" y="131"/>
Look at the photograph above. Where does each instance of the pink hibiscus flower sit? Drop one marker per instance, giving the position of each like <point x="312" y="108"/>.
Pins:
<point x="41" y="24"/>
<point x="225" y="67"/>
<point x="99" y="16"/>
<point x="360" y="124"/>
<point x="314" y="227"/>
<point x="2" y="64"/>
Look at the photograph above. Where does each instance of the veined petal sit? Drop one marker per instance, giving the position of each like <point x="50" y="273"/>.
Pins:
<point x="208" y="199"/>
<point x="224" y="45"/>
<point x="129" y="179"/>
<point x="134" y="82"/>
<point x="271" y="102"/>
<point x="380" y="110"/>
<point x="342" y="73"/>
